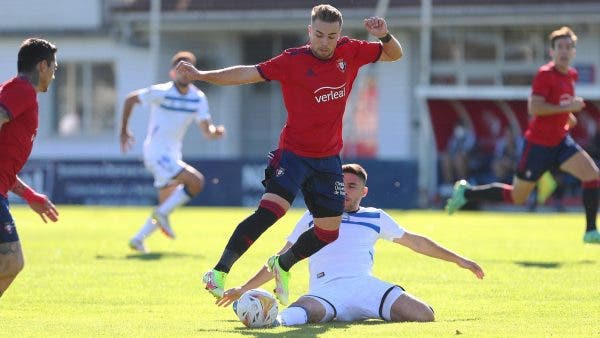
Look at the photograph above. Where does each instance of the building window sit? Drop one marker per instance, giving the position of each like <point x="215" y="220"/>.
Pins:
<point x="487" y="57"/>
<point x="446" y="46"/>
<point x="480" y="46"/>
<point x="522" y="46"/>
<point x="84" y="98"/>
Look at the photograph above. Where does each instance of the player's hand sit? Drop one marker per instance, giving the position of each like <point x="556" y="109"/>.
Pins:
<point x="187" y="70"/>
<point x="230" y="296"/>
<point x="44" y="207"/>
<point x="217" y="132"/>
<point x="127" y="140"/>
<point x="577" y="104"/>
<point x="470" y="265"/>
<point x="376" y="26"/>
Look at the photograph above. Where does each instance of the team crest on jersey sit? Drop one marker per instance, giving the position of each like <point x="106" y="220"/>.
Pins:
<point x="9" y="228"/>
<point x="279" y="172"/>
<point x="341" y="64"/>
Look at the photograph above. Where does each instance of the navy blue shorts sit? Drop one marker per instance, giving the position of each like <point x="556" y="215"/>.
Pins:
<point x="8" y="231"/>
<point x="320" y="179"/>
<point x="537" y="159"/>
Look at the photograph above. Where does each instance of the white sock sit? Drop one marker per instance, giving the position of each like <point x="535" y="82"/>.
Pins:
<point x="293" y="316"/>
<point x="146" y="230"/>
<point x="177" y="198"/>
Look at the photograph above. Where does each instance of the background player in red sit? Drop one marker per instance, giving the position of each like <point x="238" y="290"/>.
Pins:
<point x="548" y="144"/>
<point x="316" y="80"/>
<point x="18" y="122"/>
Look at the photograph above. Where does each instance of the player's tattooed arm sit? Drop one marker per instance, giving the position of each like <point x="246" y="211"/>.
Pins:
<point x="4" y="116"/>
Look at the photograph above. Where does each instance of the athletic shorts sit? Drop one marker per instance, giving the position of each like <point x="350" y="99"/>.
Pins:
<point x="320" y="180"/>
<point x="358" y="298"/>
<point x="164" y="167"/>
<point x="8" y="231"/>
<point x="537" y="159"/>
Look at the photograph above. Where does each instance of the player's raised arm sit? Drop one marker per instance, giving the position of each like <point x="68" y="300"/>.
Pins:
<point x="235" y="75"/>
<point x="392" y="50"/>
<point x="425" y="246"/>
<point x="126" y="136"/>
<point x="259" y="279"/>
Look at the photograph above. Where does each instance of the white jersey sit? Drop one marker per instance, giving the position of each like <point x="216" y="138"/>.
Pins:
<point x="171" y="113"/>
<point x="352" y="253"/>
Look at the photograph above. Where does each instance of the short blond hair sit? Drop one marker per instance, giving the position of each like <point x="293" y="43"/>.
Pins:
<point x="562" y="32"/>
<point x="326" y="13"/>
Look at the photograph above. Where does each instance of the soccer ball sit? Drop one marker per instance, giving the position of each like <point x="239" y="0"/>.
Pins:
<point x="256" y="308"/>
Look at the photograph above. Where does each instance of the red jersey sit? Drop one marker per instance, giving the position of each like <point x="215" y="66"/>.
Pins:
<point x="556" y="88"/>
<point x="19" y="99"/>
<point x="315" y="92"/>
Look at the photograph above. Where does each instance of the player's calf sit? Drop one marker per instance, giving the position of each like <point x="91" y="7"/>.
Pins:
<point x="11" y="263"/>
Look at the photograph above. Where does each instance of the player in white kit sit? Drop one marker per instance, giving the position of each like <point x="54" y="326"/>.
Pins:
<point x="341" y="286"/>
<point x="174" y="106"/>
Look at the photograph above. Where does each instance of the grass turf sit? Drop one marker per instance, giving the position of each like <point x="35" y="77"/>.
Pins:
<point x="81" y="279"/>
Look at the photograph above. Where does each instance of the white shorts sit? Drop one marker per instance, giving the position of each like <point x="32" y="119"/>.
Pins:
<point x="359" y="298"/>
<point x="164" y="167"/>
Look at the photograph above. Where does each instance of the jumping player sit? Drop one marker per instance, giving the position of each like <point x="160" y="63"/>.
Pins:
<point x="174" y="105"/>
<point x="316" y="80"/>
<point x="18" y="127"/>
<point x="547" y="141"/>
<point x="342" y="286"/>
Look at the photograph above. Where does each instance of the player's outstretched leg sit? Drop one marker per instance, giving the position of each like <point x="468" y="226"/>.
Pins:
<point x="248" y="231"/>
<point x="458" y="197"/>
<point x="282" y="280"/>
<point x="162" y="221"/>
<point x="215" y="282"/>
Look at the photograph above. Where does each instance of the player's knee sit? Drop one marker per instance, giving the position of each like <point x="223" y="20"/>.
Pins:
<point x="314" y="314"/>
<point x="268" y="206"/>
<point x="195" y="185"/>
<point x="419" y="313"/>
<point x="426" y="314"/>
<point x="317" y="309"/>
<point x="13" y="266"/>
<point x="327" y="236"/>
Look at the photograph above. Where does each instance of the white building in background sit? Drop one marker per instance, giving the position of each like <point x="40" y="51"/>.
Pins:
<point x="455" y="50"/>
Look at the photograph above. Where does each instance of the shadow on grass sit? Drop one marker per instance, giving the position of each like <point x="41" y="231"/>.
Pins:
<point x="458" y="320"/>
<point x="551" y="265"/>
<point x="149" y="256"/>
<point x="311" y="330"/>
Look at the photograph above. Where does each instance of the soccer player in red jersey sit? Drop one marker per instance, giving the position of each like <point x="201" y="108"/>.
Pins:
<point x="547" y="141"/>
<point x="18" y="126"/>
<point x="316" y="80"/>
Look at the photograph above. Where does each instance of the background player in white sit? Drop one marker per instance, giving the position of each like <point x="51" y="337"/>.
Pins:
<point x="174" y="106"/>
<point x="341" y="284"/>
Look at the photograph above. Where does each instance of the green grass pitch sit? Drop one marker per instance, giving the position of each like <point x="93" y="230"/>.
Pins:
<point x="82" y="280"/>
